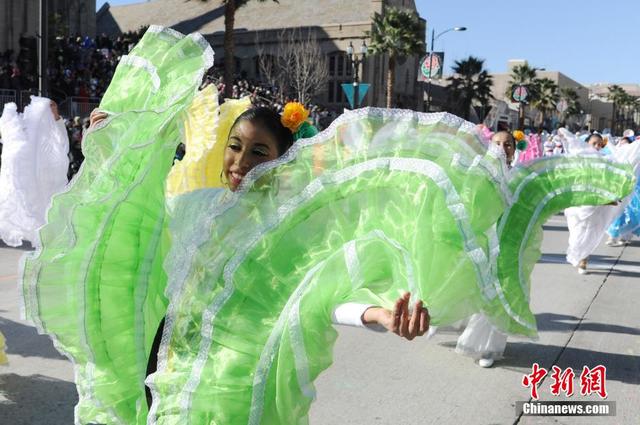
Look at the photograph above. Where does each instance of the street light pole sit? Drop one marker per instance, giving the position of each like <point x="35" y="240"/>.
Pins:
<point x="355" y="64"/>
<point x="42" y="49"/>
<point x="521" y="103"/>
<point x="434" y="37"/>
<point x="433" y="32"/>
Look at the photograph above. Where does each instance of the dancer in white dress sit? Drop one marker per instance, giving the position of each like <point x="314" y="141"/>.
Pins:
<point x="588" y="224"/>
<point x="34" y="167"/>
<point x="481" y="339"/>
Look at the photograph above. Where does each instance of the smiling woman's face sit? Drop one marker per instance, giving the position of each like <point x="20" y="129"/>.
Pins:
<point x="248" y="146"/>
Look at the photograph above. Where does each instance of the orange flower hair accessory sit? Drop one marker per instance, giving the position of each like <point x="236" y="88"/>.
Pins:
<point x="518" y="135"/>
<point x="294" y="115"/>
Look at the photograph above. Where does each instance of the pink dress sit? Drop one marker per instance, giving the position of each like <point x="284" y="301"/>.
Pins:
<point x="533" y="151"/>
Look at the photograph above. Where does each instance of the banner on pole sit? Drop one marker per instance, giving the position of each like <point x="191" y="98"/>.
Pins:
<point x="431" y="66"/>
<point x="349" y="92"/>
<point x="562" y="106"/>
<point x="520" y="94"/>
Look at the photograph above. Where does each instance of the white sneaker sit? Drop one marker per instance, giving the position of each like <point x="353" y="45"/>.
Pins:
<point x="485" y="362"/>
<point x="614" y="242"/>
<point x="582" y="271"/>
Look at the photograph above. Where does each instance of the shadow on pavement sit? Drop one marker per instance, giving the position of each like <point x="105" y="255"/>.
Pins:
<point x="615" y="272"/>
<point x="552" y="228"/>
<point x="620" y="367"/>
<point x="563" y="323"/>
<point x="549" y="258"/>
<point x="36" y="400"/>
<point x="26" y="246"/>
<point x="24" y="340"/>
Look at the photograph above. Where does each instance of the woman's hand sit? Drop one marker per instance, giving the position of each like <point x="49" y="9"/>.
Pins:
<point x="399" y="321"/>
<point x="96" y="117"/>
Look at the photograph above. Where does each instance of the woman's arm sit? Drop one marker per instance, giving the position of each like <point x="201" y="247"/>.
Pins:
<point x="350" y="314"/>
<point x="399" y="321"/>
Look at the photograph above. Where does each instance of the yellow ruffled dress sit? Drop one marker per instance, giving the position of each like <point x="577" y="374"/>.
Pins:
<point x="206" y="131"/>
<point x="3" y="355"/>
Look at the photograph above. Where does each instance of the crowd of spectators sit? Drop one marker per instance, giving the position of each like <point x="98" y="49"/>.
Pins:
<point x="80" y="66"/>
<point x="264" y="94"/>
<point x="77" y="66"/>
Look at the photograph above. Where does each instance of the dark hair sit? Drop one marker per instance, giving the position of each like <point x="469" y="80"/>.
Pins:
<point x="592" y="135"/>
<point x="269" y="120"/>
<point x="508" y="133"/>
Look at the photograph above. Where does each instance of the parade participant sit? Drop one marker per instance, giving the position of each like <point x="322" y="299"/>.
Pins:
<point x="484" y="341"/>
<point x="381" y="203"/>
<point x="558" y="148"/>
<point x="34" y="167"/>
<point x="270" y="138"/>
<point x="506" y="141"/>
<point x="481" y="339"/>
<point x="549" y="145"/>
<point x="262" y="133"/>
<point x="627" y="225"/>
<point x="259" y="135"/>
<point x="533" y="149"/>
<point x="587" y="224"/>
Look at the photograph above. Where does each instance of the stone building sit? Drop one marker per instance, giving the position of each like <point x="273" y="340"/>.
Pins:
<point x="20" y="18"/>
<point x="334" y="24"/>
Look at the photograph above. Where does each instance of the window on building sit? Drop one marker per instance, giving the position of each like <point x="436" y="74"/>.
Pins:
<point x="339" y="73"/>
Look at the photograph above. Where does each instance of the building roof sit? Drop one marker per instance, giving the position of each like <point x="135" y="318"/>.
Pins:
<point x="207" y="17"/>
<point x="602" y="89"/>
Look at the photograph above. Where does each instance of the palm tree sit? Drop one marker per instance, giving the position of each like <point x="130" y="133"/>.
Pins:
<point x="230" y="7"/>
<point x="628" y="103"/>
<point x="569" y="95"/>
<point x="547" y="97"/>
<point x="397" y="33"/>
<point x="469" y="83"/>
<point x="619" y="97"/>
<point x="523" y="75"/>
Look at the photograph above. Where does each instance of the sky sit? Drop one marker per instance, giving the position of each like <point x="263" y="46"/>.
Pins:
<point x="590" y="41"/>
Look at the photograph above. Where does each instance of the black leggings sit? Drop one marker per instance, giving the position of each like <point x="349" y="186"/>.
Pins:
<point x="152" y="364"/>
